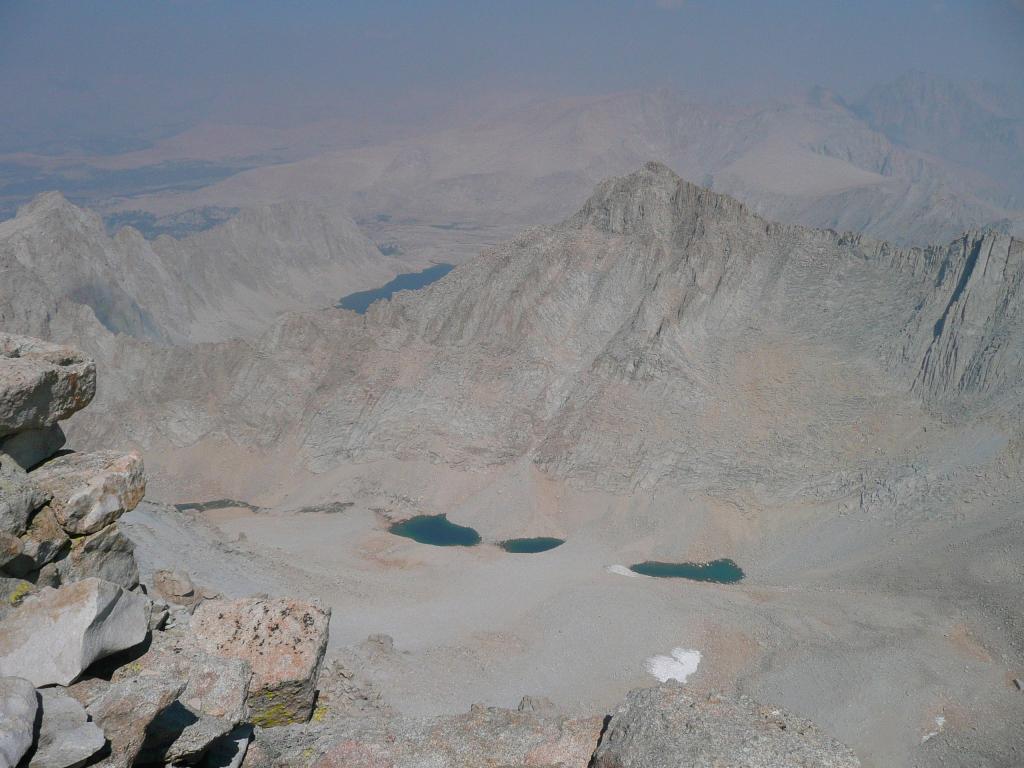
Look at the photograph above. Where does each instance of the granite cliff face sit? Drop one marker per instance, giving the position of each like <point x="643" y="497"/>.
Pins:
<point x="59" y="266"/>
<point x="663" y="334"/>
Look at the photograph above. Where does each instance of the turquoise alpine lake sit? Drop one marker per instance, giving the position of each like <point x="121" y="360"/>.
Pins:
<point x="530" y="546"/>
<point x="436" y="530"/>
<point x="722" y="571"/>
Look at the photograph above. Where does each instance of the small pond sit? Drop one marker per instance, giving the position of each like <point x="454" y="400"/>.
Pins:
<point x="436" y="530"/>
<point x="409" y="281"/>
<point x="530" y="546"/>
<point x="722" y="571"/>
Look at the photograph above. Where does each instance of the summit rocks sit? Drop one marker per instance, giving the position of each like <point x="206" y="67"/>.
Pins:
<point x="41" y="383"/>
<point x="283" y="641"/>
<point x="55" y="635"/>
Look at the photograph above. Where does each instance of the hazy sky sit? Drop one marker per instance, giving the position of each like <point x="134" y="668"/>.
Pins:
<point x="85" y="69"/>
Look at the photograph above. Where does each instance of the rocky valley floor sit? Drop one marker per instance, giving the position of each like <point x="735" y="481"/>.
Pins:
<point x="902" y="640"/>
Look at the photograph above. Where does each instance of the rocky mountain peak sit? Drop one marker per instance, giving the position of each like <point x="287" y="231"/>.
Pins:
<point x="52" y="209"/>
<point x="652" y="200"/>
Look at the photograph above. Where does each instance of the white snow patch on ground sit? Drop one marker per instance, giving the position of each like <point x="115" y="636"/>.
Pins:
<point x="621" y="570"/>
<point x="680" y="665"/>
<point x="940" y="724"/>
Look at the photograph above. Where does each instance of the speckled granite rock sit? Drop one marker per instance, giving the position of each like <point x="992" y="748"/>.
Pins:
<point x="282" y="640"/>
<point x="485" y="737"/>
<point x="126" y="710"/>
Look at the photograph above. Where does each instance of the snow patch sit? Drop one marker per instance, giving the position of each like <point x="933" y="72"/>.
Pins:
<point x="680" y="665"/>
<point x="940" y="724"/>
<point x="621" y="570"/>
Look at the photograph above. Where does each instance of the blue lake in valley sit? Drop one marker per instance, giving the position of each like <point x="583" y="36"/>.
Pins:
<point x="409" y="281"/>
<point x="436" y="530"/>
<point x="722" y="571"/>
<point x="530" y="546"/>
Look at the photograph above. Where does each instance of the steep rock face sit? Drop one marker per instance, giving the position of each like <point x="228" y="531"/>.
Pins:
<point x="967" y="335"/>
<point x="616" y="349"/>
<point x="230" y="280"/>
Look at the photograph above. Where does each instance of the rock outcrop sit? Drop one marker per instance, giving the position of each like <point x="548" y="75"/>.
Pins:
<point x="91" y="490"/>
<point x="66" y="626"/>
<point x="18" y="708"/>
<point x="668" y="727"/>
<point x="42" y="383"/>
<point x="283" y="641"/>
<point x="56" y="634"/>
<point x="67" y="737"/>
<point x="60" y="268"/>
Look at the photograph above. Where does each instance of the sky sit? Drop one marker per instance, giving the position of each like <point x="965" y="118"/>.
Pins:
<point x="133" y="70"/>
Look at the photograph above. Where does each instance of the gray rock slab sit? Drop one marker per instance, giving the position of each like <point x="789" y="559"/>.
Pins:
<point x="67" y="737"/>
<point x="18" y="709"/>
<point x="55" y="634"/>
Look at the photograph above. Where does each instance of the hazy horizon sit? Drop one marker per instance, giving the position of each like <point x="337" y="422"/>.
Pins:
<point x="109" y="80"/>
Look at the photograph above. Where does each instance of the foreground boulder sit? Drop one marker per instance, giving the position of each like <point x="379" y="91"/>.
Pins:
<point x="210" y="705"/>
<point x="18" y="500"/>
<point x="126" y="711"/>
<point x="10" y="548"/>
<point x="283" y="641"/>
<point x="485" y="736"/>
<point x="107" y="555"/>
<point x="18" y="708"/>
<point x="41" y="383"/>
<point x="175" y="587"/>
<point x="67" y="738"/>
<point x="43" y="542"/>
<point x="26" y="449"/>
<point x="668" y="727"/>
<point x="55" y="634"/>
<point x="91" y="490"/>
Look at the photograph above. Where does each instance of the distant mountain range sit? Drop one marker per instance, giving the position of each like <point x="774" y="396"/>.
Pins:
<point x="918" y="160"/>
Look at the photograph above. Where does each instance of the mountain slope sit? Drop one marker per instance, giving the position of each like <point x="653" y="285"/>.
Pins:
<point x="231" y="280"/>
<point x="660" y="321"/>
